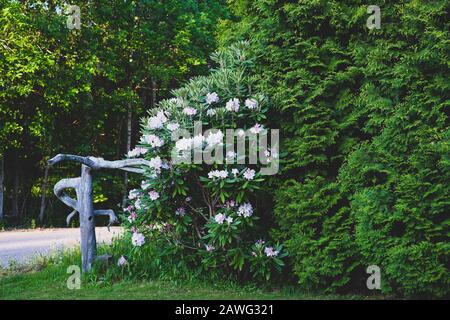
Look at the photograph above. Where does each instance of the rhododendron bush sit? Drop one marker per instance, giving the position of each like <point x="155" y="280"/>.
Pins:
<point x="199" y="212"/>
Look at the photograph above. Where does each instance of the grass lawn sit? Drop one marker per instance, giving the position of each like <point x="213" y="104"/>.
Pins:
<point x="50" y="283"/>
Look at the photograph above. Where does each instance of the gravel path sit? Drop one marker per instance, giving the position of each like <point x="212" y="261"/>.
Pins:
<point x="22" y="245"/>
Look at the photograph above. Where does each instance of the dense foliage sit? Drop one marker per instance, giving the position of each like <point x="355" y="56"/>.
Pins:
<point x="82" y="91"/>
<point x="364" y="114"/>
<point x="202" y="214"/>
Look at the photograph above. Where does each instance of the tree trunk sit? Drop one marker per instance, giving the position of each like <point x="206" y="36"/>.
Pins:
<point x="87" y="219"/>
<point x="125" y="176"/>
<point x="15" y="195"/>
<point x="44" y="189"/>
<point x="2" y="175"/>
<point x="154" y="88"/>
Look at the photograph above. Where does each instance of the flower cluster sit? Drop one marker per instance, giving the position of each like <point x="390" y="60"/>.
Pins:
<point x="136" y="152"/>
<point x="245" y="210"/>
<point x="220" y="218"/>
<point x="220" y="174"/>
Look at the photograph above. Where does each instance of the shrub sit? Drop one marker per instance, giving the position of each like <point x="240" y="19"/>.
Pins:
<point x="197" y="215"/>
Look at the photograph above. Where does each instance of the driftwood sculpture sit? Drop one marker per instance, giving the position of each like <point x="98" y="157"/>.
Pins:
<point x="84" y="205"/>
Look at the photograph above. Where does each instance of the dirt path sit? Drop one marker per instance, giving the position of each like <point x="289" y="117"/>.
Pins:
<point x="23" y="245"/>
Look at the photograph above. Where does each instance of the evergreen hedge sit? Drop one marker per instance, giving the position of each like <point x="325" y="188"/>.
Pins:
<point x="365" y="124"/>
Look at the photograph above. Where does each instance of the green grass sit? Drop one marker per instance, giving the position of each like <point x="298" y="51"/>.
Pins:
<point x="50" y="283"/>
<point x="46" y="278"/>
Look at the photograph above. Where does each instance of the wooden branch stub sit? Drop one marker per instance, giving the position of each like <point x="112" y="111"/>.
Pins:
<point x="94" y="163"/>
<point x="84" y="204"/>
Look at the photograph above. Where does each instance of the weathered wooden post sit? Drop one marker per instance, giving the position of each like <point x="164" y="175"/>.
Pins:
<point x="84" y="204"/>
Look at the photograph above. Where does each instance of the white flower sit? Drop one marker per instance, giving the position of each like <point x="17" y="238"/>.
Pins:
<point x="214" y="139"/>
<point x="257" y="128"/>
<point x="249" y="174"/>
<point x="189" y="111"/>
<point x="212" y="98"/>
<point x="251" y="104"/>
<point x="173" y="126"/>
<point x="122" y="261"/>
<point x="136" y="152"/>
<point x="152" y="140"/>
<point x="211" y="112"/>
<point x="235" y="172"/>
<point x="209" y="247"/>
<point x="153" y="195"/>
<point x="157" y="122"/>
<point x="155" y="163"/>
<point x="137" y="239"/>
<point x="233" y="105"/>
<point x="133" y="194"/>
<point x="220" y="218"/>
<point x="137" y="204"/>
<point x="198" y="140"/>
<point x="231" y="154"/>
<point x="245" y="210"/>
<point x="221" y="174"/>
<point x="184" y="144"/>
<point x="229" y="220"/>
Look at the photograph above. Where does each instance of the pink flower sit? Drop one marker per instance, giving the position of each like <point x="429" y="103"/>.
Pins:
<point x="153" y="195"/>
<point x="249" y="174"/>
<point x="220" y="218"/>
<point x="270" y="252"/>
<point x="132" y="217"/>
<point x="257" y="128"/>
<point x="229" y="220"/>
<point x="209" y="247"/>
<point x="180" y="212"/>
<point x="229" y="204"/>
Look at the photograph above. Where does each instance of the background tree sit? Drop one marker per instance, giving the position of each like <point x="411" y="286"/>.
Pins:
<point x="75" y="90"/>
